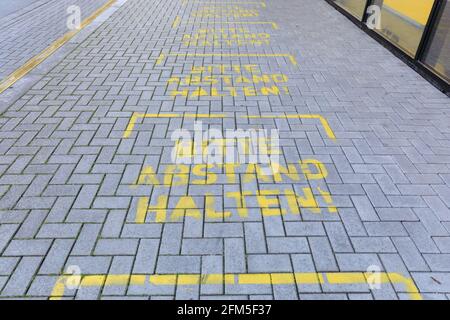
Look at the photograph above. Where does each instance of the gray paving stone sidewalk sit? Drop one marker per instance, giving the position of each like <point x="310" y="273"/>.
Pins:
<point x="78" y="151"/>
<point x="29" y="30"/>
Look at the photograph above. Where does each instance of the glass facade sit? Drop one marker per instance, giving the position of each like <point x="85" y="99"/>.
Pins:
<point x="437" y="53"/>
<point x="355" y="7"/>
<point x="419" y="28"/>
<point x="403" y="22"/>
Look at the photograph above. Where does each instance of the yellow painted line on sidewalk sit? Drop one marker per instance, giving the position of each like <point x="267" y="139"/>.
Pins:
<point x="223" y="4"/>
<point x="291" y="58"/>
<point x="137" y="115"/>
<point x="38" y="59"/>
<point x="322" y="120"/>
<point x="298" y="278"/>
<point x="177" y="22"/>
<point x="273" y="24"/>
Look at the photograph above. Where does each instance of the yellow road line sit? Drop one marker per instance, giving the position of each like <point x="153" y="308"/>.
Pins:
<point x="38" y="59"/>
<point x="298" y="278"/>
<point x="291" y="58"/>
<point x="137" y="115"/>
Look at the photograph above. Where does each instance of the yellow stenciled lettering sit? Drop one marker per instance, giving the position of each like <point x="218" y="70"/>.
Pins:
<point x="321" y="170"/>
<point x="254" y="170"/>
<point x="240" y="201"/>
<point x="201" y="171"/>
<point x="176" y="175"/>
<point x="328" y="200"/>
<point x="277" y="78"/>
<point x="148" y="177"/>
<point x="186" y="203"/>
<point x="291" y="201"/>
<point x="308" y="200"/>
<point x="267" y="204"/>
<point x="266" y="91"/>
<point x="183" y="93"/>
<point x="210" y="209"/>
<point x="199" y="92"/>
<point x="174" y="80"/>
<point x="230" y="172"/>
<point x="289" y="171"/>
<point x="249" y="92"/>
<point x="160" y="209"/>
<point x="141" y="212"/>
<point x="265" y="78"/>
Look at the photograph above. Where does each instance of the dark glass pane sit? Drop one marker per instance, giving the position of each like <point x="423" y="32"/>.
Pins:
<point x="437" y="55"/>
<point x="403" y="22"/>
<point x="355" y="7"/>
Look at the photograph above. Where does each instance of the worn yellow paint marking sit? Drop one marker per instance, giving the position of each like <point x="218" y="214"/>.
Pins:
<point x="261" y="3"/>
<point x="43" y="55"/>
<point x="299" y="278"/>
<point x="137" y="115"/>
<point x="176" y="23"/>
<point x="322" y="120"/>
<point x="411" y="287"/>
<point x="273" y="24"/>
<point x="291" y="58"/>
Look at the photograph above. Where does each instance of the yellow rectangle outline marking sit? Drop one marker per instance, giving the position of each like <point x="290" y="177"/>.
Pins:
<point x="43" y="55"/>
<point x="261" y="3"/>
<point x="177" y="22"/>
<point x="137" y="115"/>
<point x="291" y="58"/>
<point x="298" y="278"/>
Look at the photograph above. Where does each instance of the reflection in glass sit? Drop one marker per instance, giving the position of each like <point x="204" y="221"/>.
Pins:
<point x="355" y="7"/>
<point x="437" y="54"/>
<point x="403" y="22"/>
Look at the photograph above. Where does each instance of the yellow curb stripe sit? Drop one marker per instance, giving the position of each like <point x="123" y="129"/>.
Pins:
<point x="299" y="278"/>
<point x="43" y="55"/>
